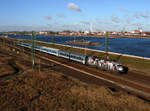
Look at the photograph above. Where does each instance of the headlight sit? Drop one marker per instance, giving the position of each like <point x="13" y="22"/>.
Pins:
<point x="120" y="68"/>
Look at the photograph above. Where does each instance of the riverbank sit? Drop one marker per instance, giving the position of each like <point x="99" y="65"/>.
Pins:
<point x="84" y="42"/>
<point x="111" y="36"/>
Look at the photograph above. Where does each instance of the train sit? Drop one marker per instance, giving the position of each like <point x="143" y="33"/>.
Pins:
<point x="94" y="61"/>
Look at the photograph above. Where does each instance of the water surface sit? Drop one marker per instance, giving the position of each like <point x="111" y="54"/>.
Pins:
<point x="124" y="45"/>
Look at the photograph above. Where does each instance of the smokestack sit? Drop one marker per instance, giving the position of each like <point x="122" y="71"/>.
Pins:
<point x="91" y="26"/>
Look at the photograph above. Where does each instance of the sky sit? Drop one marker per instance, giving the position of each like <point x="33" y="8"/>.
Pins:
<point x="59" y="15"/>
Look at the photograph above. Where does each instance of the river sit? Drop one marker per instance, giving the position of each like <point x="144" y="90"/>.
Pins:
<point x="124" y="45"/>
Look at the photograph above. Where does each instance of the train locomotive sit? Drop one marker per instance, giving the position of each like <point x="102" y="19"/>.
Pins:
<point x="100" y="63"/>
<point x="106" y="65"/>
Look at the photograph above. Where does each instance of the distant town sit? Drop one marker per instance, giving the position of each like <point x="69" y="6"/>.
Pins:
<point x="134" y="33"/>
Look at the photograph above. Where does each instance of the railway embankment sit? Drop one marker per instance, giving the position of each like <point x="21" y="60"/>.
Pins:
<point x="136" y="64"/>
<point x="46" y="89"/>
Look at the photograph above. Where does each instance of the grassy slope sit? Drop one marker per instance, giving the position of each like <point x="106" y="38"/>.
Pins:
<point x="49" y="90"/>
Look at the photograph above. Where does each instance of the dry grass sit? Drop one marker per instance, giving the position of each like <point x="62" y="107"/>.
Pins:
<point x="102" y="97"/>
<point x="5" y="68"/>
<point x="53" y="91"/>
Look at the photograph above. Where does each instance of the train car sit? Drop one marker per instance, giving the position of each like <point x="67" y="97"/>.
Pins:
<point x="78" y="57"/>
<point x="37" y="47"/>
<point x="64" y="54"/>
<point x="47" y="50"/>
<point x="28" y="45"/>
<point x="41" y="48"/>
<point x="52" y="51"/>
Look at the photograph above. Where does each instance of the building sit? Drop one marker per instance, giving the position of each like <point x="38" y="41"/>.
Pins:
<point x="43" y="33"/>
<point x="138" y="31"/>
<point x="143" y="33"/>
<point x="65" y="32"/>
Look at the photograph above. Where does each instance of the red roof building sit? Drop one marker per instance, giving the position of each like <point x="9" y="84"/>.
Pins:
<point x="137" y="31"/>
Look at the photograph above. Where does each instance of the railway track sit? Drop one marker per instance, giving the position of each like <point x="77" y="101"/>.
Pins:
<point x="133" y="83"/>
<point x="130" y="86"/>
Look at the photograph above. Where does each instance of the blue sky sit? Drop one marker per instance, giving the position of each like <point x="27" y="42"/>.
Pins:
<point x="58" y="15"/>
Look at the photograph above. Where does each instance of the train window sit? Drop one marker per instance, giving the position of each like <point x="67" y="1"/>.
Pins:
<point x="64" y="54"/>
<point x="76" y="57"/>
<point x="119" y="65"/>
<point x="72" y="56"/>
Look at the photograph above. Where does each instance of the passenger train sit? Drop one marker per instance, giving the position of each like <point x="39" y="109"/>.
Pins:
<point x="97" y="62"/>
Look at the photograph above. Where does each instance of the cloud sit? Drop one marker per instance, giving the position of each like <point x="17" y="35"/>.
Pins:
<point x="60" y="15"/>
<point x="24" y="28"/>
<point x="137" y="24"/>
<point x="123" y="9"/>
<point x="48" y="17"/>
<point x="115" y="19"/>
<point x="144" y="15"/>
<point x="73" y="6"/>
<point x="141" y="15"/>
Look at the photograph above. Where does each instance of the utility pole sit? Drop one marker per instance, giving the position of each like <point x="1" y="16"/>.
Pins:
<point x="4" y="41"/>
<point x="39" y="65"/>
<point x="106" y="44"/>
<point x="53" y="35"/>
<point x="33" y="51"/>
<point x="84" y="43"/>
<point x="91" y="27"/>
